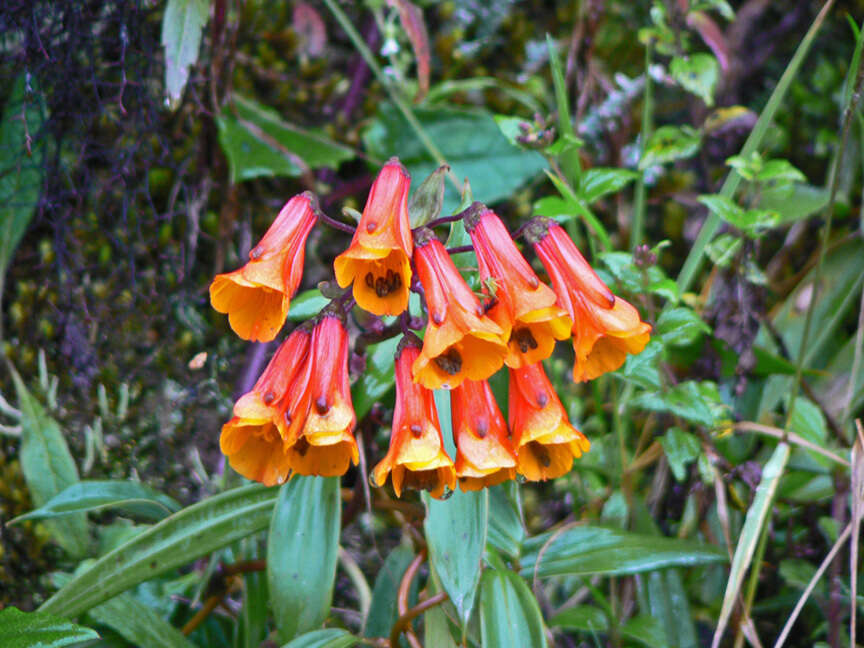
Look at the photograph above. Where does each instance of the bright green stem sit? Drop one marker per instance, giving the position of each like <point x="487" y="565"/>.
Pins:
<point x="638" y="227"/>
<point x="709" y="228"/>
<point x="397" y="99"/>
<point x="565" y="126"/>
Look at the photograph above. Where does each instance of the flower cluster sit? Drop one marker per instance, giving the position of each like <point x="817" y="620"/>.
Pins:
<point x="299" y="419"/>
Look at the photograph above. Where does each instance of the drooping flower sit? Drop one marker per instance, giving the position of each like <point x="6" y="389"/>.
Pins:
<point x="256" y="297"/>
<point x="484" y="456"/>
<point x="416" y="458"/>
<point x="605" y="327"/>
<point x="318" y="418"/>
<point x="543" y="437"/>
<point x="252" y="439"/>
<point x="378" y="260"/>
<point x="461" y="341"/>
<point x="523" y="306"/>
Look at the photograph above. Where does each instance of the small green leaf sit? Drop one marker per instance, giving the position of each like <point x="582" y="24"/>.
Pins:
<point x="306" y="517"/>
<point x="793" y="203"/>
<point x="599" y="181"/>
<point x="670" y="143"/>
<point x="647" y="630"/>
<point x="681" y="448"/>
<point x="697" y="74"/>
<point x="643" y="368"/>
<point x="326" y="638"/>
<point x="428" y="199"/>
<point x="779" y="171"/>
<point x="182" y="25"/>
<point x="722" y="250"/>
<point x="190" y="533"/>
<point x="138" y="623"/>
<point x="383" y="611"/>
<point x="258" y="143"/>
<point x="307" y="305"/>
<point x="39" y="630"/>
<point x="698" y="402"/>
<point x="584" y="550"/>
<point x="583" y="618"/>
<point x="49" y="469"/>
<point x="509" y="614"/>
<point x="378" y="378"/>
<point x="723" y="207"/>
<point x="680" y="327"/>
<point x="456" y="529"/>
<point x="131" y="498"/>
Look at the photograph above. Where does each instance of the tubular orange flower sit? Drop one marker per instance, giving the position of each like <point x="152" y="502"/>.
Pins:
<point x="545" y="441"/>
<point x="378" y="260"/>
<point x="524" y="307"/>
<point x="257" y="296"/>
<point x="416" y="457"/>
<point x="318" y="418"/>
<point x="252" y="440"/>
<point x="605" y="327"/>
<point x="484" y="455"/>
<point x="461" y="341"/>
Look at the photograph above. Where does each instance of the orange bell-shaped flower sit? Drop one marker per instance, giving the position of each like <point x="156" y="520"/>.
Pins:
<point x="416" y="458"/>
<point x="523" y="306"/>
<point x="252" y="440"/>
<point x="257" y="296"/>
<point x="318" y="420"/>
<point x="378" y="260"/>
<point x="461" y="341"/>
<point x="605" y="327"/>
<point x="543" y="437"/>
<point x="484" y="456"/>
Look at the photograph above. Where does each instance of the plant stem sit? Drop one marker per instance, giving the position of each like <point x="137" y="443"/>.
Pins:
<point x="638" y="226"/>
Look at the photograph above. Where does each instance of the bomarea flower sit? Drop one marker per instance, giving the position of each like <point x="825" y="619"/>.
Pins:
<point x="460" y="341"/>
<point x="318" y="419"/>
<point x="605" y="327"/>
<point x="543" y="437"/>
<point x="298" y="418"/>
<point x="416" y="458"/>
<point x="257" y="296"/>
<point x="378" y="260"/>
<point x="523" y="306"/>
<point x="484" y="456"/>
<point x="252" y="439"/>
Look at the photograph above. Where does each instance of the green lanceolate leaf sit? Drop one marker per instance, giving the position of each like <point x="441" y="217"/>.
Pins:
<point x="456" y="530"/>
<point x="506" y="529"/>
<point x="509" y="614"/>
<point x="49" y="469"/>
<point x="583" y="550"/>
<point x="307" y="305"/>
<point x="258" y="143"/>
<point x="756" y="518"/>
<point x="37" y="629"/>
<point x="327" y="638"/>
<point x="130" y="498"/>
<point x="181" y="38"/>
<point x="302" y="551"/>
<point x="184" y="536"/>
<point x="383" y="611"/>
<point x="470" y="141"/>
<point x="20" y="169"/>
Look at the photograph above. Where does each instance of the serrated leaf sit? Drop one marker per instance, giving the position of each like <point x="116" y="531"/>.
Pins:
<point x="643" y="368"/>
<point x="49" y="469"/>
<point x="302" y="551"/>
<point x="723" y="207"/>
<point x="692" y="400"/>
<point x="670" y="143"/>
<point x="680" y="326"/>
<point x="259" y="143"/>
<point x="599" y="181"/>
<point x="471" y="143"/>
<point x="698" y="74"/>
<point x="182" y="25"/>
<point x="131" y="498"/>
<point x="326" y="638"/>
<point x="193" y="532"/>
<point x="39" y="630"/>
<point x="509" y="614"/>
<point x="722" y="250"/>
<point x="584" y="550"/>
<point x="681" y="448"/>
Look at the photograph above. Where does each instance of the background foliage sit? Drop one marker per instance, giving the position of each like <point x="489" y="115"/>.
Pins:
<point x="706" y="156"/>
